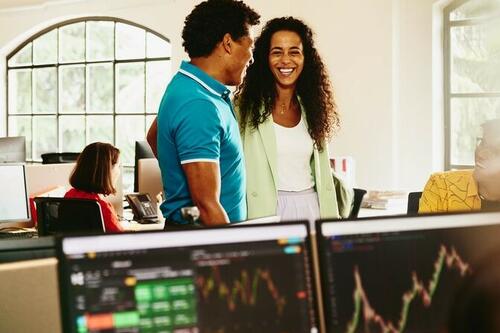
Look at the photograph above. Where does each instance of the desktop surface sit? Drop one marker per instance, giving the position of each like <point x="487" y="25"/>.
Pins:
<point x="128" y="223"/>
<point x="240" y="279"/>
<point x="399" y="274"/>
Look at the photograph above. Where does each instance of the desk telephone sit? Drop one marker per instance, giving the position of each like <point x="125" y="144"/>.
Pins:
<point x="143" y="208"/>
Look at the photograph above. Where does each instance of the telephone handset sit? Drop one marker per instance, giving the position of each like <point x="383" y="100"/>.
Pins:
<point x="142" y="207"/>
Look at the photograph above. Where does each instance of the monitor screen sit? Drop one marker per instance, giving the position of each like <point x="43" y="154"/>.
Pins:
<point x="240" y="279"/>
<point x="399" y="274"/>
<point x="14" y="205"/>
<point x="12" y="149"/>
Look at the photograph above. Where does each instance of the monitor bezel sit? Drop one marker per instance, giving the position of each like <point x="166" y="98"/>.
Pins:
<point x="63" y="267"/>
<point x="22" y="222"/>
<point x="388" y="224"/>
<point x="378" y="224"/>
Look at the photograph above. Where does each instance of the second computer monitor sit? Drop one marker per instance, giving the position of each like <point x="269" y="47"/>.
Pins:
<point x="142" y="150"/>
<point x="399" y="274"/>
<point x="12" y="149"/>
<point x="238" y="279"/>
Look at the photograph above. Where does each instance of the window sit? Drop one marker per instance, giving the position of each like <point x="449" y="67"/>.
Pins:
<point x="86" y="80"/>
<point x="472" y="75"/>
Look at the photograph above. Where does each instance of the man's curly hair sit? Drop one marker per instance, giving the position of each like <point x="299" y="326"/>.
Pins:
<point x="210" y="20"/>
<point x="256" y="95"/>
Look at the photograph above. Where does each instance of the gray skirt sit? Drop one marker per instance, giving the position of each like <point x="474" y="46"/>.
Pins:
<point x="302" y="205"/>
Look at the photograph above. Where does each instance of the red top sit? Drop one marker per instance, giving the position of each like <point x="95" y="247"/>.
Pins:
<point x="108" y="212"/>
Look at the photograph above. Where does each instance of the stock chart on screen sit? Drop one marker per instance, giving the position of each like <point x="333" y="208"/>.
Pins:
<point x="398" y="281"/>
<point x="229" y="280"/>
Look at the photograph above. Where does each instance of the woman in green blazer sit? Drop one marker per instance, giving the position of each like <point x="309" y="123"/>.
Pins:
<point x="287" y="114"/>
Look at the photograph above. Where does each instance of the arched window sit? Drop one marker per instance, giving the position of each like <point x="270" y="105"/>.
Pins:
<point x="471" y="75"/>
<point x="85" y="80"/>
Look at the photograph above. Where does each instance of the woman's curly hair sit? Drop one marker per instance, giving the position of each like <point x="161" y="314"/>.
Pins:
<point x="258" y="89"/>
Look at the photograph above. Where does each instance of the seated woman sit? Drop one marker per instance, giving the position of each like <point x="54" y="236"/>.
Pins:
<point x="94" y="176"/>
<point x="468" y="190"/>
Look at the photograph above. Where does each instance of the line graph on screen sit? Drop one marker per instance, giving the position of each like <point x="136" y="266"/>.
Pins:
<point x="243" y="290"/>
<point x="446" y="259"/>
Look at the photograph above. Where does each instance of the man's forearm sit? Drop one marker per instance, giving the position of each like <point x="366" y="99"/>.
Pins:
<point x="212" y="213"/>
<point x="204" y="186"/>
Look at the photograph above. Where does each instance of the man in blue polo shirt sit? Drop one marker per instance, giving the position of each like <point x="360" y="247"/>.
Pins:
<point x="198" y="141"/>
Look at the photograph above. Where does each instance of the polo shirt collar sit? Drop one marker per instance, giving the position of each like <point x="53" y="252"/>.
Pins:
<point x="205" y="80"/>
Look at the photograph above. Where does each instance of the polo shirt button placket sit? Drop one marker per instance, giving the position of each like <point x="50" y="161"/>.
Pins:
<point x="225" y="96"/>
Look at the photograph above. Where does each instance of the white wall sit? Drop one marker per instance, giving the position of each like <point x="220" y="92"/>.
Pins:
<point x="379" y="54"/>
<point x="380" y="58"/>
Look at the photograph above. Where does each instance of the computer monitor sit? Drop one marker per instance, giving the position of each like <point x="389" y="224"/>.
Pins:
<point x="14" y="203"/>
<point x="142" y="150"/>
<point x="239" y="279"/>
<point x="399" y="274"/>
<point x="43" y="178"/>
<point x="149" y="178"/>
<point x="47" y="177"/>
<point x="13" y="149"/>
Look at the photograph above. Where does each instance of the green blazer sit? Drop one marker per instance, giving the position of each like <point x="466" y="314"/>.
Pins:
<point x="259" y="146"/>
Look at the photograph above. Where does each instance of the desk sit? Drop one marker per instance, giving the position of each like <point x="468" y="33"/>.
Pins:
<point x="369" y="212"/>
<point x="134" y="226"/>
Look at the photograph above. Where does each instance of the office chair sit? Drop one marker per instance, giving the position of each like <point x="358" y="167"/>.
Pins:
<point x="413" y="203"/>
<point x="66" y="216"/>
<point x="356" y="206"/>
<point x="54" y="158"/>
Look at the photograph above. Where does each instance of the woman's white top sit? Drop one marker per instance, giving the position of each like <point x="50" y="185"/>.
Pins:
<point x="294" y="148"/>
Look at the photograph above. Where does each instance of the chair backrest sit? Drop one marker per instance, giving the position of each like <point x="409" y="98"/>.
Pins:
<point x="413" y="203"/>
<point x="54" y="158"/>
<point x="356" y="206"/>
<point x="66" y="216"/>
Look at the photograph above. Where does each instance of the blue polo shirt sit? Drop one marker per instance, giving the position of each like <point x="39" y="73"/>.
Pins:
<point x="196" y="123"/>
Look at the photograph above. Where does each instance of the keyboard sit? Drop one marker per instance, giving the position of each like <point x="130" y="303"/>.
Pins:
<point x="18" y="235"/>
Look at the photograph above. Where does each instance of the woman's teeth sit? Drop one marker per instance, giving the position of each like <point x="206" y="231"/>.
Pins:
<point x="286" y="71"/>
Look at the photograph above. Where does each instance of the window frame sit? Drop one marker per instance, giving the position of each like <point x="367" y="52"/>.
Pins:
<point x="447" y="93"/>
<point x="57" y="65"/>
